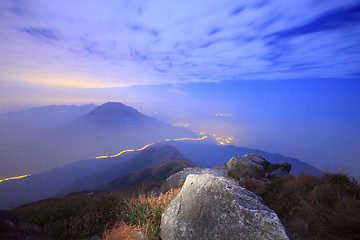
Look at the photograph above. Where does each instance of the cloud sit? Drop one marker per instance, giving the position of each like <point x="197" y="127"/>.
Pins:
<point x="124" y="43"/>
<point x="338" y="18"/>
<point x="40" y="33"/>
<point x="177" y="91"/>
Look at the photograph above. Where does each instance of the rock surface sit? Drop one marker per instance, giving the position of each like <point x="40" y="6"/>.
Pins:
<point x="13" y="227"/>
<point x="255" y="166"/>
<point x="178" y="179"/>
<point x="215" y="207"/>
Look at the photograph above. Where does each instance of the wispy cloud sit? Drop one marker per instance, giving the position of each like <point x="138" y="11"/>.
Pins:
<point x="121" y="43"/>
<point x="40" y="33"/>
<point x="177" y="91"/>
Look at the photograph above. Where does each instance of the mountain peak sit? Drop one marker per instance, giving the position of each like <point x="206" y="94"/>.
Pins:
<point x="114" y="111"/>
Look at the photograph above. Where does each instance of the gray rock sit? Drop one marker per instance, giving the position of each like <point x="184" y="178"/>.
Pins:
<point x="16" y="228"/>
<point x="95" y="237"/>
<point x="178" y="179"/>
<point x="278" y="170"/>
<point x="213" y="207"/>
<point x="255" y="166"/>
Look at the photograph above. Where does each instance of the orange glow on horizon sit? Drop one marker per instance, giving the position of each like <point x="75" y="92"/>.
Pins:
<point x="66" y="81"/>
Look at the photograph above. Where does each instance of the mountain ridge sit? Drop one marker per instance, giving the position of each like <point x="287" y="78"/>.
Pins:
<point x="79" y="138"/>
<point x="115" y="109"/>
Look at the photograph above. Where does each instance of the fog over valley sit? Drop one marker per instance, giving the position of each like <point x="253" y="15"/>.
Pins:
<point x="174" y="120"/>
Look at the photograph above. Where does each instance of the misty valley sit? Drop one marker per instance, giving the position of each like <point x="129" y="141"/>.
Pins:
<point x="62" y="151"/>
<point x="179" y="120"/>
<point x="53" y="153"/>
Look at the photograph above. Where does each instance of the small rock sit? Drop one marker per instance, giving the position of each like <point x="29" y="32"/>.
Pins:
<point x="13" y="227"/>
<point x="255" y="166"/>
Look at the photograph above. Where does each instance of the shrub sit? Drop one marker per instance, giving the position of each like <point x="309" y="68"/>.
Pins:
<point x="316" y="208"/>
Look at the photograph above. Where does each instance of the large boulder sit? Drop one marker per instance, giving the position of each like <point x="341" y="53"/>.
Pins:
<point x="178" y="179"/>
<point x="255" y="166"/>
<point x="213" y="207"/>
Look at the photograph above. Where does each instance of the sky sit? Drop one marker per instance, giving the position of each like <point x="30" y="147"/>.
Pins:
<point x="287" y="72"/>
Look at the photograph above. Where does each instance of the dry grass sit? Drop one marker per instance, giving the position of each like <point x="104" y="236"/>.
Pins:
<point x="144" y="211"/>
<point x="317" y="208"/>
<point x="122" y="232"/>
<point x="79" y="215"/>
<point x="254" y="185"/>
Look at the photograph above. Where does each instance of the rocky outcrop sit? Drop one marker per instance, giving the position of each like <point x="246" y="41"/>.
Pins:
<point x="178" y="179"/>
<point x="13" y="227"/>
<point x="216" y="207"/>
<point x="255" y="166"/>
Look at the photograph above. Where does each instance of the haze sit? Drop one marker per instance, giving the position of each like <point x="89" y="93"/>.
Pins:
<point x="280" y="76"/>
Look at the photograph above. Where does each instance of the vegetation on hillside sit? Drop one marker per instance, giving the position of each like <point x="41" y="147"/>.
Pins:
<point x="326" y="207"/>
<point x="117" y="215"/>
<point x="74" y="217"/>
<point x="310" y="207"/>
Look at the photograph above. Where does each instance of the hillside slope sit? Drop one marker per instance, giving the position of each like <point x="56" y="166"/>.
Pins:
<point x="158" y="171"/>
<point x="81" y="175"/>
<point x="211" y="155"/>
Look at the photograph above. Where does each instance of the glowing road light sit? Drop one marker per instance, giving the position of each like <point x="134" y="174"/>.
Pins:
<point x="146" y="146"/>
<point x="150" y="144"/>
<point x="220" y="140"/>
<point x="116" y="155"/>
<point x="192" y="139"/>
<point x="181" y="125"/>
<point x="11" y="178"/>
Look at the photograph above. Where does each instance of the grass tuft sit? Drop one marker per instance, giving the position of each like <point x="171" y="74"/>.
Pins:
<point x="144" y="211"/>
<point x="122" y="231"/>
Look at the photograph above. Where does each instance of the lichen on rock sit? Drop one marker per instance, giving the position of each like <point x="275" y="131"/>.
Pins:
<point x="216" y="207"/>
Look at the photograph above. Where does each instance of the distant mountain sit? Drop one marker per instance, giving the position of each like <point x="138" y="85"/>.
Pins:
<point x="211" y="155"/>
<point x="104" y="130"/>
<point x="158" y="171"/>
<point x="113" y="113"/>
<point x="14" y="125"/>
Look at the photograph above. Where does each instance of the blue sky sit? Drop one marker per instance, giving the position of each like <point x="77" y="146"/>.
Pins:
<point x="123" y="43"/>
<point x="285" y="70"/>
